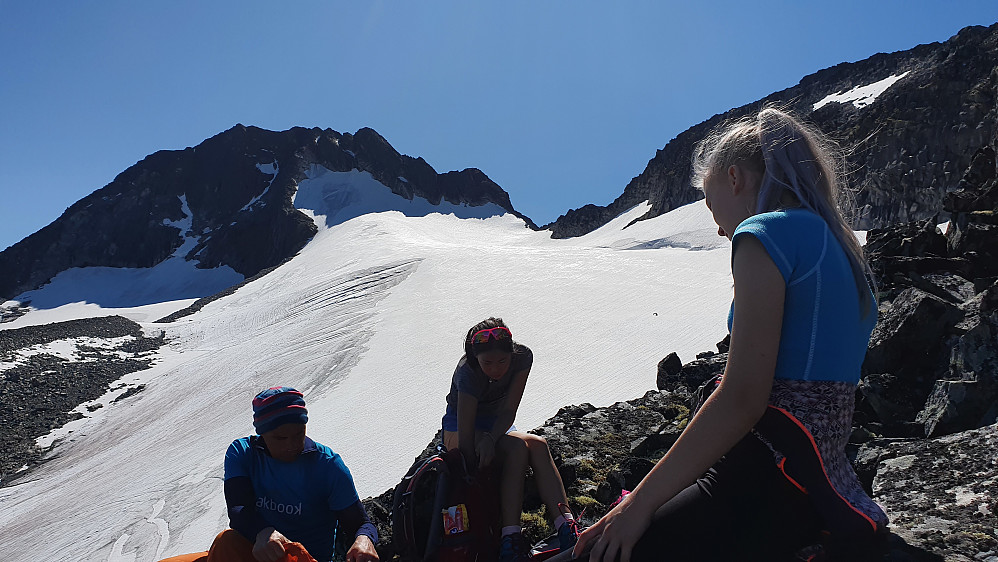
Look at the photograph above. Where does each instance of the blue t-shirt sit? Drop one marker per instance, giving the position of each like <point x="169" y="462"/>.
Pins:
<point x="298" y="498"/>
<point x="824" y="335"/>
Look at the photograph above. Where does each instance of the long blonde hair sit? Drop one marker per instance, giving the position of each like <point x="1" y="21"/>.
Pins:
<point x="793" y="158"/>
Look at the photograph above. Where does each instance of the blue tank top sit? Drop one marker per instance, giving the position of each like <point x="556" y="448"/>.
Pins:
<point x="824" y="335"/>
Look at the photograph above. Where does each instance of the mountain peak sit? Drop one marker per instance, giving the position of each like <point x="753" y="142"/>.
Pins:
<point x="908" y="145"/>
<point x="238" y="187"/>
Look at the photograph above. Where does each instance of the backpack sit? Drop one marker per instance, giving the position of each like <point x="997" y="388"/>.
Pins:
<point x="701" y="394"/>
<point x="440" y="513"/>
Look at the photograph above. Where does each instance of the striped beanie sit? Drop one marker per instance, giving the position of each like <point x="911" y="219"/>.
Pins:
<point x="277" y="406"/>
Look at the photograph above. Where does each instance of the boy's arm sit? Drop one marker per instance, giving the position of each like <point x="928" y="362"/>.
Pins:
<point x="355" y="522"/>
<point x="241" y="502"/>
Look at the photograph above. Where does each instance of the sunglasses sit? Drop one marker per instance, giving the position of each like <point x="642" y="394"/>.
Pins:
<point x="483" y="336"/>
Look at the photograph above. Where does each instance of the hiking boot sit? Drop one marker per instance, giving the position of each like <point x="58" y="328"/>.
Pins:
<point x="514" y="548"/>
<point x="568" y="535"/>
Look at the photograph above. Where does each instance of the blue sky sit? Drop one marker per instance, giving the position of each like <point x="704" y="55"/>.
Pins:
<point x="561" y="103"/>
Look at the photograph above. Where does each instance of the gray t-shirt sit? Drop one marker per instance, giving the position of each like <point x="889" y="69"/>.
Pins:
<point x="490" y="394"/>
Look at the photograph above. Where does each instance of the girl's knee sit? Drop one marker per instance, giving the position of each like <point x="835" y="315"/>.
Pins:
<point x="537" y="447"/>
<point x="450" y="440"/>
<point x="513" y="446"/>
<point x="535" y="443"/>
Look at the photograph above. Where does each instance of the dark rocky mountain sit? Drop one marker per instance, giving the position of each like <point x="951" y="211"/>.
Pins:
<point x="907" y="149"/>
<point x="244" y="214"/>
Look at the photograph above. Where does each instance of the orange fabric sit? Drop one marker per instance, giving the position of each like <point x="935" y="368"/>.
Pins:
<point x="196" y="557"/>
<point x="230" y="546"/>
<point x="295" y="552"/>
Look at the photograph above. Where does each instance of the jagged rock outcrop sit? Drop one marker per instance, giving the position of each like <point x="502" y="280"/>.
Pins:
<point x="238" y="187"/>
<point x="932" y="366"/>
<point x="907" y="149"/>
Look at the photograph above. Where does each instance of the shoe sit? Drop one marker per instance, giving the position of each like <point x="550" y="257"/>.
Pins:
<point x="568" y="533"/>
<point x="514" y="548"/>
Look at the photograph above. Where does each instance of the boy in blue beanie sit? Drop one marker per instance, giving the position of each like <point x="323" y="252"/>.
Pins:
<point x="281" y="487"/>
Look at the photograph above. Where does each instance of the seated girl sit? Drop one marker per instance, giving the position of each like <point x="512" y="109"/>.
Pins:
<point x="485" y="393"/>
<point x="761" y="471"/>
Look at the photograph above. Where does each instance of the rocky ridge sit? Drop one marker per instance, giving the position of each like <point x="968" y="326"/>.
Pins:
<point x="907" y="149"/>
<point x="239" y="187"/>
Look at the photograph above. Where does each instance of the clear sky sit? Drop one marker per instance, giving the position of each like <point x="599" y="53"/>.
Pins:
<point x="561" y="103"/>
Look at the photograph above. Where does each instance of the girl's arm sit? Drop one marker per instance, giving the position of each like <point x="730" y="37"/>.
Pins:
<point x="467" y="409"/>
<point x="727" y="416"/>
<point x="508" y="413"/>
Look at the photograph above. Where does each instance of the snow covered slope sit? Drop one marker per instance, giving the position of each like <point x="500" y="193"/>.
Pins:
<point x="140" y="294"/>
<point x="368" y="320"/>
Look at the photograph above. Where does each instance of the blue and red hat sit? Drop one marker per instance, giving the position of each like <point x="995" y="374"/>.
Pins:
<point x="277" y="406"/>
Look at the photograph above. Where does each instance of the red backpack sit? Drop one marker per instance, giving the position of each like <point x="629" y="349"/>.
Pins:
<point x="440" y="513"/>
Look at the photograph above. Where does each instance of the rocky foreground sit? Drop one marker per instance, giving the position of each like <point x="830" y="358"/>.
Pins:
<point x="939" y="493"/>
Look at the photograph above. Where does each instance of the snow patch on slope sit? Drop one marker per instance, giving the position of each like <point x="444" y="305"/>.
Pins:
<point x="332" y="198"/>
<point x="269" y="169"/>
<point x="173" y="280"/>
<point x="690" y="226"/>
<point x="67" y="349"/>
<point x="861" y="96"/>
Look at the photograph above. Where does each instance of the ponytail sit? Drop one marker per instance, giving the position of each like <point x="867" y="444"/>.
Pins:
<point x="795" y="160"/>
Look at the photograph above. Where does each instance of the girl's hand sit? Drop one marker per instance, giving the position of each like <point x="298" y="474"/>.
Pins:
<point x="615" y="534"/>
<point x="486" y="449"/>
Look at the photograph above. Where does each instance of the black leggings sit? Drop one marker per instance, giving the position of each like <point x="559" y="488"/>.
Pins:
<point x="741" y="509"/>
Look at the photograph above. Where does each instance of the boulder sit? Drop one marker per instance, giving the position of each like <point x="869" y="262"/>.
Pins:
<point x="974" y="354"/>
<point x="956" y="405"/>
<point x="942" y="494"/>
<point x="906" y="356"/>
<point x="626" y="476"/>
<point x="890" y="405"/>
<point x="909" y="333"/>
<point x="668" y="371"/>
<point x="694" y="373"/>
<point x="913" y="239"/>
<point x="950" y="287"/>
<point x="977" y="242"/>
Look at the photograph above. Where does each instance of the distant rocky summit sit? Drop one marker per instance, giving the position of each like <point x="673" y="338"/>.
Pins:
<point x="239" y="186"/>
<point x="907" y="148"/>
